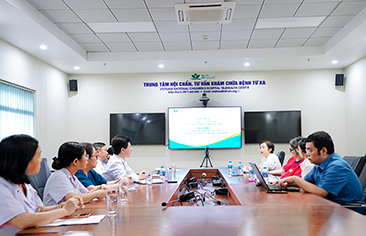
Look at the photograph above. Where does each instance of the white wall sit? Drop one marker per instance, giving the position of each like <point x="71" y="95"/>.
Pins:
<point x="356" y="107"/>
<point x="51" y="96"/>
<point x="313" y="92"/>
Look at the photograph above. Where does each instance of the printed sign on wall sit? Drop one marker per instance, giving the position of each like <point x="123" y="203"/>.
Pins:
<point x="204" y="84"/>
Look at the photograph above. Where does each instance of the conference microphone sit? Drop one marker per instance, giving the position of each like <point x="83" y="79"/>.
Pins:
<point x="202" y="176"/>
<point x="163" y="204"/>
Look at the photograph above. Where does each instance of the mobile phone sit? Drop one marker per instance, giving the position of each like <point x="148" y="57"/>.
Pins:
<point x="82" y="215"/>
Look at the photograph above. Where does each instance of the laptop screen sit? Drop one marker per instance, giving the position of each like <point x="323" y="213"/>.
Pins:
<point x="258" y="174"/>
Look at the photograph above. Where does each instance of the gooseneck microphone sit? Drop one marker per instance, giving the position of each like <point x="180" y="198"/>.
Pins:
<point x="163" y="204"/>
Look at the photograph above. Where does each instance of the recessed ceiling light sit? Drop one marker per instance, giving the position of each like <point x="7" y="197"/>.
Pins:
<point x="334" y="61"/>
<point x="44" y="47"/>
<point x="76" y="67"/>
<point x="246" y="64"/>
<point x="161" y="66"/>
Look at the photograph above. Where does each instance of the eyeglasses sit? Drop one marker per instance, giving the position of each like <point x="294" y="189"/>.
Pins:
<point x="87" y="156"/>
<point x="292" y="150"/>
<point x="307" y="151"/>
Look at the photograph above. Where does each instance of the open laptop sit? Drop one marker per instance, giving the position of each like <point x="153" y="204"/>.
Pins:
<point x="269" y="186"/>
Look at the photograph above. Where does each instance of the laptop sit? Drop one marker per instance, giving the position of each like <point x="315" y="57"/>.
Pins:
<point x="270" y="187"/>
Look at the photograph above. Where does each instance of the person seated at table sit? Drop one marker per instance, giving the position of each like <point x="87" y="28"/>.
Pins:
<point x="117" y="166"/>
<point x="20" y="206"/>
<point x="63" y="184"/>
<point x="292" y="166"/>
<point x="102" y="155"/>
<point x="331" y="177"/>
<point x="306" y="166"/>
<point x="88" y="176"/>
<point x="269" y="159"/>
<point x="110" y="153"/>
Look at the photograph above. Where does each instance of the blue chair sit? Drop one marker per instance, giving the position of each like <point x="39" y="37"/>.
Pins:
<point x="39" y="180"/>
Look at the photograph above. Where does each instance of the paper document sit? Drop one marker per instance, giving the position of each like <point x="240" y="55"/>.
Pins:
<point x="155" y="181"/>
<point x="93" y="219"/>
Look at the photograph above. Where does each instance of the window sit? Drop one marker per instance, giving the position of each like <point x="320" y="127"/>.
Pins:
<point x="16" y="110"/>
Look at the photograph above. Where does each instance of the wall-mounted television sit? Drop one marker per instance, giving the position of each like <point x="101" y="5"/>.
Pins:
<point x="201" y="127"/>
<point x="276" y="126"/>
<point x="142" y="128"/>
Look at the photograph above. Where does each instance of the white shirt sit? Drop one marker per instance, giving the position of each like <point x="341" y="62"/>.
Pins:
<point x="100" y="168"/>
<point x="116" y="168"/>
<point x="272" y="162"/>
<point x="13" y="202"/>
<point x="59" y="184"/>
<point x="306" y="166"/>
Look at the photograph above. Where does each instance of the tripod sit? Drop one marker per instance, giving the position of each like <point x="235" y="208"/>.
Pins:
<point x="206" y="158"/>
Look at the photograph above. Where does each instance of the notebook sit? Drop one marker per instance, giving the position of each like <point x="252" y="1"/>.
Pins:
<point x="267" y="186"/>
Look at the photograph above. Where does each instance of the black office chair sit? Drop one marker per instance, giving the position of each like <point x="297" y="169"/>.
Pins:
<point x="281" y="156"/>
<point x="39" y="180"/>
<point x="356" y="162"/>
<point x="359" y="206"/>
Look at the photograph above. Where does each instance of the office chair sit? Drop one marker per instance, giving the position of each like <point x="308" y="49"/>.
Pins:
<point x="356" y="162"/>
<point x="359" y="206"/>
<point x="281" y="156"/>
<point x="39" y="180"/>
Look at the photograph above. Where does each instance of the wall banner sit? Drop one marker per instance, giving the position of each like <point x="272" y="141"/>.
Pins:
<point x="203" y="84"/>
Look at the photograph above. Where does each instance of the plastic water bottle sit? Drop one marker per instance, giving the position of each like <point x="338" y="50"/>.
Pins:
<point x="162" y="173"/>
<point x="229" y="168"/>
<point x="251" y="177"/>
<point x="240" y="168"/>
<point x="265" y="173"/>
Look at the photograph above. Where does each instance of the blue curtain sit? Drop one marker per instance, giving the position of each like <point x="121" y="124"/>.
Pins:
<point x="16" y="111"/>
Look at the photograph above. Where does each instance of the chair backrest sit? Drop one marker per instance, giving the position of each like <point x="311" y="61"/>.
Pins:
<point x="281" y="156"/>
<point x="39" y="180"/>
<point x="362" y="178"/>
<point x="356" y="162"/>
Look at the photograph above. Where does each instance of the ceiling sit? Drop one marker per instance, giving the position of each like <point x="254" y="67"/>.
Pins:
<point x="66" y="27"/>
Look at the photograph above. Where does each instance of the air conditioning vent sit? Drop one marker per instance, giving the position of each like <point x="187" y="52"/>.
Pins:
<point x="204" y="13"/>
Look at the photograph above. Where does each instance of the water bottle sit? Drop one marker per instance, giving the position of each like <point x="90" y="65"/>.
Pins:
<point x="240" y="168"/>
<point x="251" y="177"/>
<point x="162" y="173"/>
<point x="265" y="173"/>
<point x="229" y="168"/>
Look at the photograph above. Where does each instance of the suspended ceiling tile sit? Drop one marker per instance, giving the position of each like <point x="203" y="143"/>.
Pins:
<point x="85" y="38"/>
<point x="316" y="9"/>
<point x="132" y="15"/>
<point x="170" y="26"/>
<point x="334" y="21"/>
<point x="144" y="37"/>
<point x="205" y="27"/>
<point x="236" y="35"/>
<point x="298" y="33"/>
<point x="163" y="14"/>
<point x="123" y="4"/>
<point x="349" y="8"/>
<point x="114" y="37"/>
<point x="267" y="33"/>
<point x="48" y="4"/>
<point x="149" y="46"/>
<point x="198" y="36"/>
<point x="326" y="32"/>
<point x="245" y="12"/>
<point x="164" y="3"/>
<point x="74" y="28"/>
<point x="239" y="24"/>
<point x="177" y="36"/>
<point x="290" y="43"/>
<point x="234" y="44"/>
<point x="316" y="42"/>
<point x="177" y="46"/>
<point x="90" y="16"/>
<point x="61" y="16"/>
<point x="121" y="47"/>
<point x="280" y="10"/>
<point x="86" y="4"/>
<point x="208" y="45"/>
<point x="94" y="47"/>
<point x="262" y="43"/>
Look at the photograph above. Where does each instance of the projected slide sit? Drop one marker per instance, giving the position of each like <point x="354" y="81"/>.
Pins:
<point x="197" y="128"/>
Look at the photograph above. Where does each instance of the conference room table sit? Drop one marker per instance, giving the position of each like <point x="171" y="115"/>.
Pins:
<point x="259" y="213"/>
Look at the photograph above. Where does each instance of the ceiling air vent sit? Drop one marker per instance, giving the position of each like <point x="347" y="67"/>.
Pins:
<point x="204" y="13"/>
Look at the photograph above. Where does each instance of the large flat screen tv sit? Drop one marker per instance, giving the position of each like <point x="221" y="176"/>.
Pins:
<point x="201" y="127"/>
<point x="142" y="128"/>
<point x="276" y="126"/>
